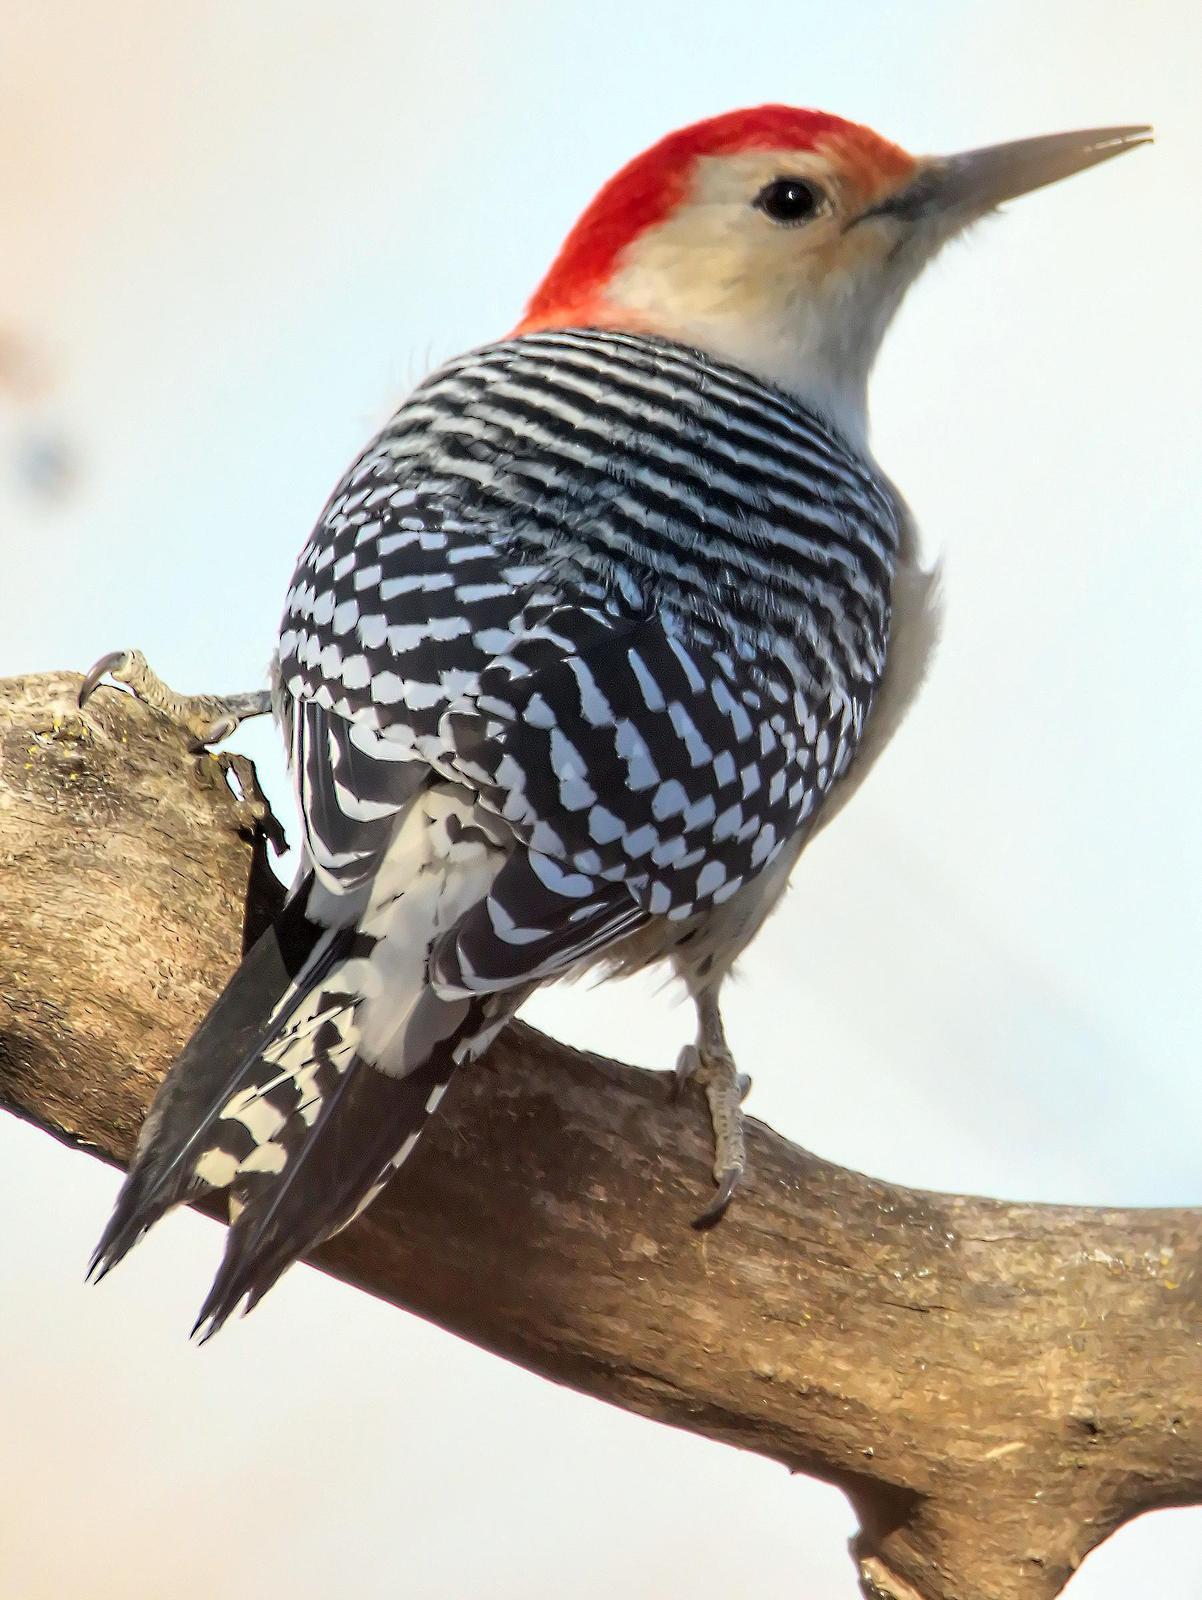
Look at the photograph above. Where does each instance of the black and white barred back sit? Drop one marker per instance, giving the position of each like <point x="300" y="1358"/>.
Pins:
<point x="581" y="641"/>
<point x="635" y="600"/>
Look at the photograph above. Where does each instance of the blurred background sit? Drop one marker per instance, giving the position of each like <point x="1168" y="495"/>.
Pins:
<point x="233" y="236"/>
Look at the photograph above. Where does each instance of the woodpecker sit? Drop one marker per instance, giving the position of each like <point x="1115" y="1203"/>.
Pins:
<point x="596" y="633"/>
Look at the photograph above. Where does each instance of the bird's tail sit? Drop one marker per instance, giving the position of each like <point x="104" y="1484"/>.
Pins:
<point x="312" y="1076"/>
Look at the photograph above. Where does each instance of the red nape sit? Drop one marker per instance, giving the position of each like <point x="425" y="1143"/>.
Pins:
<point x="647" y="188"/>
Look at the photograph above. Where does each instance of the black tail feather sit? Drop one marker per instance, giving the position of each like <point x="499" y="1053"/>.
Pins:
<point x="202" y="1076"/>
<point x="366" y="1129"/>
<point x="270" y="1100"/>
<point x="283" y="1097"/>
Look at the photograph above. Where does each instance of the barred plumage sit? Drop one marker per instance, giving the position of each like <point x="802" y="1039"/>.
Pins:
<point x="649" y="650"/>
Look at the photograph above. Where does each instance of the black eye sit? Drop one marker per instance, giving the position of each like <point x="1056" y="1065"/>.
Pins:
<point x="790" y="200"/>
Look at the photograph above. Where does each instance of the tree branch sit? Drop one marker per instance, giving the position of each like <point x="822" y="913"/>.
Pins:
<point x="996" y="1387"/>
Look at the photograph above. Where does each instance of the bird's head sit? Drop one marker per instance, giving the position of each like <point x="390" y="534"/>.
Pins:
<point x="783" y="240"/>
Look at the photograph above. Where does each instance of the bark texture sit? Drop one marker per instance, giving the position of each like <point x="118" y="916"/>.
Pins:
<point x="996" y="1387"/>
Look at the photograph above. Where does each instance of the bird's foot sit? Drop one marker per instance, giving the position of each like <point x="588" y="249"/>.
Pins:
<point x="253" y="806"/>
<point x="206" y="719"/>
<point x="711" y="1066"/>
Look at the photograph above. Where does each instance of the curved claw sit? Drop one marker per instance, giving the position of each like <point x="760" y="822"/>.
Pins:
<point x="218" y="731"/>
<point x="115" y="660"/>
<point x="716" y="1209"/>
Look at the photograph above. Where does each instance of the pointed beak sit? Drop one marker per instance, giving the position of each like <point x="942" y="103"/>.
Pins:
<point x="952" y="191"/>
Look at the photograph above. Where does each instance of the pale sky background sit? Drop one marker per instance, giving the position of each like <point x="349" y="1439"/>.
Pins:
<point x="233" y="236"/>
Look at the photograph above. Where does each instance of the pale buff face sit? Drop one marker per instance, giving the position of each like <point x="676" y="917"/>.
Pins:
<point x="802" y="305"/>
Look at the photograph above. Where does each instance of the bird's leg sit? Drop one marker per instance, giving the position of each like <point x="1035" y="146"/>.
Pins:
<point x="206" y="719"/>
<point x="710" y="1064"/>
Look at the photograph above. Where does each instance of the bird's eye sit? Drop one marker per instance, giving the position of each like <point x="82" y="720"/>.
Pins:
<point x="790" y="200"/>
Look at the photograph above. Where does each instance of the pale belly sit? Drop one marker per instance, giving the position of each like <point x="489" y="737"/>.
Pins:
<point x="703" y="948"/>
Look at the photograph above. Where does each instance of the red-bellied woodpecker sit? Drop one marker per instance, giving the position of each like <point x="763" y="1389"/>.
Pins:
<point x="601" y="627"/>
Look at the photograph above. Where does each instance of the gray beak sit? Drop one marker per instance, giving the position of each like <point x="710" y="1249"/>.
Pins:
<point x="956" y="189"/>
